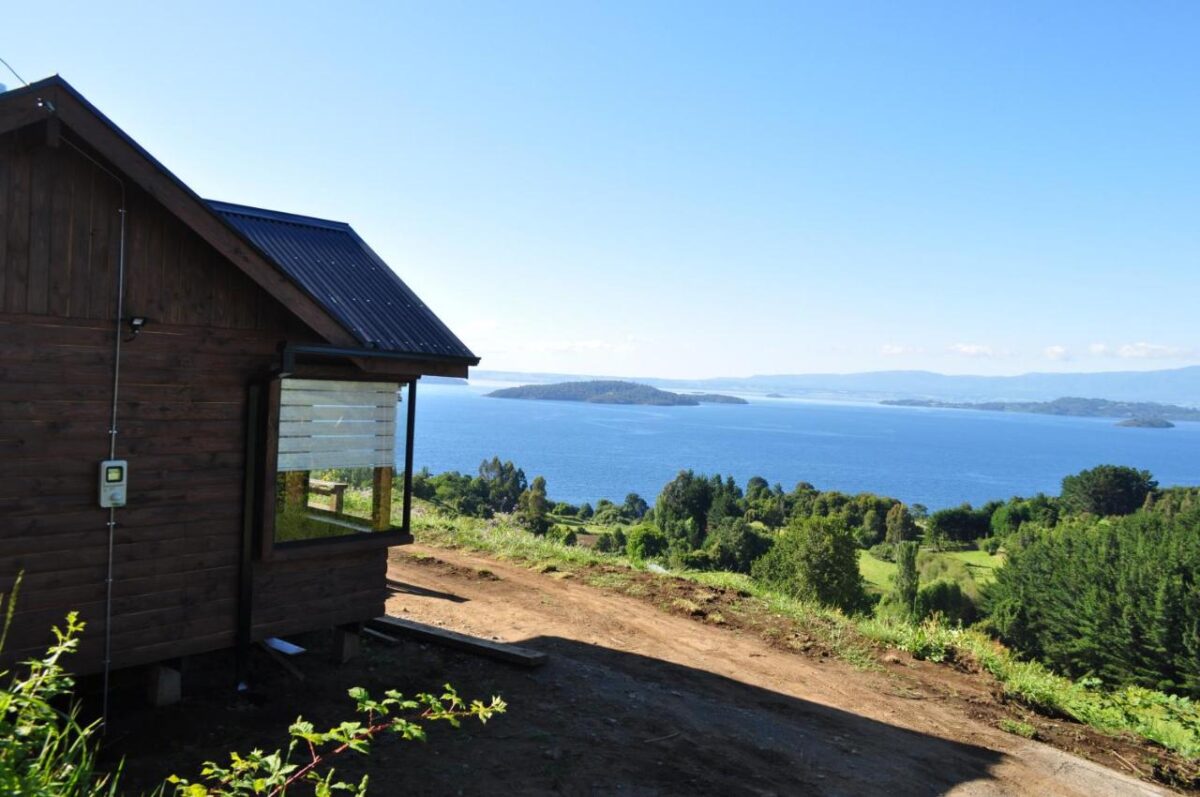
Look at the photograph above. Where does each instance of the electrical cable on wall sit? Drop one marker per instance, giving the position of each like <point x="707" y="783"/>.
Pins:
<point x="112" y="429"/>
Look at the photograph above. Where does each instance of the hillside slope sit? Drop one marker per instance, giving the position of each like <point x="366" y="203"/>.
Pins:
<point x="641" y="700"/>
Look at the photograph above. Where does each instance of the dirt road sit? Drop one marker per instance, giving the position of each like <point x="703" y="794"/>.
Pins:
<point x="638" y="700"/>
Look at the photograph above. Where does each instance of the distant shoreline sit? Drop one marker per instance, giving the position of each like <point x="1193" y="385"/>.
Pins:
<point x="1142" y="414"/>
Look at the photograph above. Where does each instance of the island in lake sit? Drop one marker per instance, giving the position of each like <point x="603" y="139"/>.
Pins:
<point x="1147" y="423"/>
<point x="716" y="398"/>
<point x="612" y="392"/>
<point x="1147" y="414"/>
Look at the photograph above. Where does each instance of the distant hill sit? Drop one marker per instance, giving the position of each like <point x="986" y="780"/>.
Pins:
<point x="1142" y="411"/>
<point x="1147" y="423"/>
<point x="610" y="392"/>
<point x="1169" y="386"/>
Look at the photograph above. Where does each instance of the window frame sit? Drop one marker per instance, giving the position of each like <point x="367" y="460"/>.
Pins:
<point x="269" y="548"/>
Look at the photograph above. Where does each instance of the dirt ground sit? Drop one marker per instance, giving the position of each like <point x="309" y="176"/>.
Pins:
<point x="671" y="689"/>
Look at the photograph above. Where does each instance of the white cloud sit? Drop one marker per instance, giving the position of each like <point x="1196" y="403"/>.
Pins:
<point x="1056" y="353"/>
<point x="1148" y="351"/>
<point x="897" y="350"/>
<point x="973" y="350"/>
<point x="1140" y="351"/>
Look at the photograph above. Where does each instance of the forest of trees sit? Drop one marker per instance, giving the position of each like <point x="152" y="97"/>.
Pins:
<point x="1101" y="581"/>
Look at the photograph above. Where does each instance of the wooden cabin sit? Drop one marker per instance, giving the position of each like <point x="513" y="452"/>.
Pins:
<point x="206" y="409"/>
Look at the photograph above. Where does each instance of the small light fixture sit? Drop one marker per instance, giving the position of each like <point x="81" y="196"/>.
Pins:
<point x="135" y="325"/>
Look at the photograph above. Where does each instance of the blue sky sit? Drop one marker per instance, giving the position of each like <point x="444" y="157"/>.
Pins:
<point x="690" y="189"/>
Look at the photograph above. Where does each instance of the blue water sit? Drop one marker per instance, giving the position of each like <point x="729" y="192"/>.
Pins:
<point x="935" y="457"/>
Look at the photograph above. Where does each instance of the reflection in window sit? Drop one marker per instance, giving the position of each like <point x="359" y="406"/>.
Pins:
<point x="337" y="446"/>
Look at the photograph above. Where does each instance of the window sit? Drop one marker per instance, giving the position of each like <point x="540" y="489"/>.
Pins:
<point x="335" y="460"/>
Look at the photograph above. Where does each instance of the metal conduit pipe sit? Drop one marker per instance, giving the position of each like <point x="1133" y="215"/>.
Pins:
<point x="118" y="326"/>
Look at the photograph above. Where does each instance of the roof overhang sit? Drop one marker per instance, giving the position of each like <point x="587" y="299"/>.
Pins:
<point x="55" y="98"/>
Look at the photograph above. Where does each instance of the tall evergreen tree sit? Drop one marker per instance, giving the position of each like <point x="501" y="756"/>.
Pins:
<point x="906" y="583"/>
<point x="532" y="507"/>
<point x="900" y="525"/>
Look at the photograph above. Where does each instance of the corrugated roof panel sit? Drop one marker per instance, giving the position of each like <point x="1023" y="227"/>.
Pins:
<point x="339" y="270"/>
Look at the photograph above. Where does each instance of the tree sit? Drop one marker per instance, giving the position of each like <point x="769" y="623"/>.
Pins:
<point x="816" y="559"/>
<point x="685" y="498"/>
<point x="505" y="482"/>
<point x="907" y="582"/>
<point x="1113" y="598"/>
<point x="757" y="488"/>
<point x="645" y="542"/>
<point x="531" y="508"/>
<point x="585" y="511"/>
<point x="734" y="545"/>
<point x="900" y="525"/>
<point x="1107" y="490"/>
<point x="635" y="507"/>
<point x="874" y="526"/>
<point x="959" y="524"/>
<point x="945" y="597"/>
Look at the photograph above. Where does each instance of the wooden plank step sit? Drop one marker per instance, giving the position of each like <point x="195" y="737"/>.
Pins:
<point x="513" y="654"/>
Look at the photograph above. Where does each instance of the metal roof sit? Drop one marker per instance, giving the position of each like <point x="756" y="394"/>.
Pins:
<point x="337" y="268"/>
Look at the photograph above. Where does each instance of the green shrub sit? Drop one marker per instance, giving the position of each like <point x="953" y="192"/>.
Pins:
<point x="645" y="542"/>
<point x="563" y="534"/>
<point x="735" y="544"/>
<point x="611" y="541"/>
<point x="816" y="559"/>
<point x="607" y="543"/>
<point x="44" y="750"/>
<point x="702" y="559"/>
<point x="884" y="551"/>
<point x="945" y="598"/>
<point x="256" y="773"/>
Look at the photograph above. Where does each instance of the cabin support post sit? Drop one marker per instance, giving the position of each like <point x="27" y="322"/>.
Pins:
<point x="347" y="643"/>
<point x="409" y="425"/>
<point x="164" y="683"/>
<point x="245" y="598"/>
<point x="381" y="500"/>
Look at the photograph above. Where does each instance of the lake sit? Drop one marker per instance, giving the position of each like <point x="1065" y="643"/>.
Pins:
<point x="935" y="457"/>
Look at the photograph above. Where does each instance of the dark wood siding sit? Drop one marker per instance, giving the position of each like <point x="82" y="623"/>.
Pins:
<point x="180" y="419"/>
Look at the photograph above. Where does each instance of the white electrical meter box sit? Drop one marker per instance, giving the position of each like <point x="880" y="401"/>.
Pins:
<point x="114" y="481"/>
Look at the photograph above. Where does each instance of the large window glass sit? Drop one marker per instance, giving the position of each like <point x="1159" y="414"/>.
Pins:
<point x="337" y="448"/>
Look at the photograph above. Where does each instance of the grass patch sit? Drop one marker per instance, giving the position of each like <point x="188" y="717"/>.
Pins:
<point x="617" y="582"/>
<point x="829" y="626"/>
<point x="1171" y="721"/>
<point x="877" y="573"/>
<point x="503" y="539"/>
<point x="981" y="564"/>
<point x="1019" y="728"/>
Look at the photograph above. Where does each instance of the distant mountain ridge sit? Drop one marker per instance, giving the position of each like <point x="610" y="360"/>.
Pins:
<point x="1170" y="386"/>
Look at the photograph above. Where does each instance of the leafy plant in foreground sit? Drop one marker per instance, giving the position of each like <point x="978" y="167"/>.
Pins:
<point x="45" y="751"/>
<point x="272" y="775"/>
